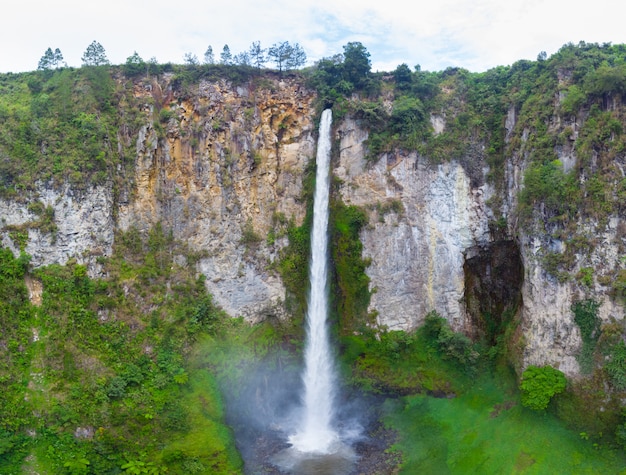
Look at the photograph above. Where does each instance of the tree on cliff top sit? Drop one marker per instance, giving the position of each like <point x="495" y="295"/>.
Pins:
<point x="297" y="58"/>
<point x="134" y="65"/>
<point x="50" y="59"/>
<point x="356" y="64"/>
<point x="403" y="77"/>
<point x="209" y="58"/>
<point x="95" y="55"/>
<point x="191" y="59"/>
<point x="287" y="56"/>
<point x="257" y="55"/>
<point x="226" y="57"/>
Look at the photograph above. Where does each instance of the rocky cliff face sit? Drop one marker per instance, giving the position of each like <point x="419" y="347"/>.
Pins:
<point x="219" y="164"/>
<point x="549" y="334"/>
<point x="423" y="219"/>
<point x="232" y="160"/>
<point x="83" y="226"/>
<point x="217" y="167"/>
<point x="433" y="247"/>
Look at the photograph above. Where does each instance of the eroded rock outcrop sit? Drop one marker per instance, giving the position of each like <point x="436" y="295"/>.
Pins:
<point x="80" y="226"/>
<point x="216" y="164"/>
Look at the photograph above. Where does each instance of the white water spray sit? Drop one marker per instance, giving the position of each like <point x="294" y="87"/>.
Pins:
<point x="316" y="433"/>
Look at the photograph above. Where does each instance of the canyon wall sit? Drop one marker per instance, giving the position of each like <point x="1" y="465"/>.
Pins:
<point x="226" y="163"/>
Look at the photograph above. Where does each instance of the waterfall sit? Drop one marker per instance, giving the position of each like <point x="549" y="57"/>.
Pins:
<point x="316" y="433"/>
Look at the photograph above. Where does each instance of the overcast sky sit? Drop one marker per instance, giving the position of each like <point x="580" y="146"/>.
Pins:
<point x="473" y="34"/>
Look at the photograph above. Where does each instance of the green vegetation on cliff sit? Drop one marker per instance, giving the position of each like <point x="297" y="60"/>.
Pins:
<point x="351" y="284"/>
<point x="538" y="113"/>
<point x="101" y="374"/>
<point x="61" y="126"/>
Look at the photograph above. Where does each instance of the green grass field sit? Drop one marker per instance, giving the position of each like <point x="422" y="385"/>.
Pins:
<point x="485" y="430"/>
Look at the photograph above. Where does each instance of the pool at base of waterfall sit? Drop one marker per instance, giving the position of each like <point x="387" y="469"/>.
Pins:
<point x="339" y="460"/>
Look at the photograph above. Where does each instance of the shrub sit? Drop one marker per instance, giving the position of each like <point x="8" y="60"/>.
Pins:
<point x="452" y="345"/>
<point x="616" y="366"/>
<point x="165" y="115"/>
<point x="395" y="344"/>
<point x="547" y="183"/>
<point x="574" y="99"/>
<point x="619" y="284"/>
<point x="585" y="276"/>
<point x="539" y="385"/>
<point x="249" y="235"/>
<point x="116" y="387"/>
<point x="586" y="317"/>
<point x="207" y="315"/>
<point x="456" y="346"/>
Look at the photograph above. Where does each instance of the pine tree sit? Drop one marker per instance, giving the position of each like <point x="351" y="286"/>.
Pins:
<point x="209" y="58"/>
<point x="94" y="55"/>
<point x="191" y="59"/>
<point x="58" y="57"/>
<point x="279" y="53"/>
<point x="46" y="60"/>
<point x="257" y="55"/>
<point x="297" y="58"/>
<point x="225" y="56"/>
<point x="287" y="56"/>
<point x="242" y="59"/>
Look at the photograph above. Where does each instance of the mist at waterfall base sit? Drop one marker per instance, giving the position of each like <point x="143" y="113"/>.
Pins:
<point x="287" y="422"/>
<point x="265" y="410"/>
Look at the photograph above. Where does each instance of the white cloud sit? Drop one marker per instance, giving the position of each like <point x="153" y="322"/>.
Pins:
<point x="436" y="34"/>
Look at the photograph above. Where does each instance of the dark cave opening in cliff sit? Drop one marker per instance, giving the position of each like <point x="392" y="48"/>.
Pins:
<point x="494" y="275"/>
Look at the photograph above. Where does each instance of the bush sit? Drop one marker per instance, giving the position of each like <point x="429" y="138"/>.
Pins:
<point x="586" y="317"/>
<point x="452" y="345"/>
<point x="539" y="385"/>
<point x="116" y="387"/>
<point x="456" y="346"/>
<point x="207" y="315"/>
<point x="616" y="366"/>
<point x="547" y="183"/>
<point x="408" y="115"/>
<point x="248" y="235"/>
<point x="619" y="284"/>
<point x="395" y="344"/>
<point x="573" y="100"/>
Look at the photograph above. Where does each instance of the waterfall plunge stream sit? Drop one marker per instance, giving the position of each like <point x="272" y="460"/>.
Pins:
<point x="316" y="445"/>
<point x="316" y="434"/>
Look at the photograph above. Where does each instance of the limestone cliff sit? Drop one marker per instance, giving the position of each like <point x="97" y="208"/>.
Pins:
<point x="82" y="228"/>
<point x="231" y="161"/>
<point x="417" y="249"/>
<point x="428" y="221"/>
<point x="218" y="164"/>
<point x="593" y="246"/>
<point x="215" y="165"/>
